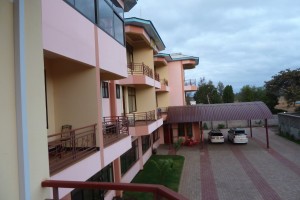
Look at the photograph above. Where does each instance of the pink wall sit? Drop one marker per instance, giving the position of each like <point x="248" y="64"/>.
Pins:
<point x="147" y="129"/>
<point x="68" y="33"/>
<point x="91" y="165"/>
<point x="176" y="78"/>
<point x="115" y="150"/>
<point x="112" y="55"/>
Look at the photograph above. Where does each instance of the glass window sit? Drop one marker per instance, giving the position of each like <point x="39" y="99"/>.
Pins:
<point x="105" y="92"/>
<point x="131" y="99"/>
<point x="155" y="136"/>
<point x="145" y="143"/>
<point x="87" y="8"/>
<point x="118" y="91"/>
<point x="105" y="17"/>
<point x="118" y="8"/>
<point x="130" y="157"/>
<point x="119" y="29"/>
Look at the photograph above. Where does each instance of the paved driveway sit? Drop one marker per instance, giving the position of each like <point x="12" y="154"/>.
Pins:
<point x="242" y="172"/>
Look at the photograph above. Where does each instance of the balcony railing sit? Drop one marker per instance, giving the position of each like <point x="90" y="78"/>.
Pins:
<point x="68" y="147"/>
<point x="156" y="76"/>
<point x="140" y="69"/>
<point x="164" y="81"/>
<point x="190" y="82"/>
<point x="114" y="128"/>
<point x="141" y="118"/>
<point x="158" y="191"/>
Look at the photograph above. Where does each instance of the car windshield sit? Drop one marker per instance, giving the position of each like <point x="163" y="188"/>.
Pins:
<point x="237" y="132"/>
<point x="217" y="134"/>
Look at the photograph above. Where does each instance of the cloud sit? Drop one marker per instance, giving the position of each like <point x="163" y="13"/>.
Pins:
<point x="237" y="42"/>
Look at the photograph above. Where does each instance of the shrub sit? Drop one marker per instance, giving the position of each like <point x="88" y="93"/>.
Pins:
<point x="221" y="126"/>
<point x="205" y="126"/>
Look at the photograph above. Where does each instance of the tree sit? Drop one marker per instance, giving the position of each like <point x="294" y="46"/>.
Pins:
<point x="228" y="95"/>
<point x="246" y="94"/>
<point x="220" y="88"/>
<point x="207" y="93"/>
<point x="286" y="83"/>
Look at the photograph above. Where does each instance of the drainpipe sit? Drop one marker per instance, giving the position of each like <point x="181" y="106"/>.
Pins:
<point x="21" y="110"/>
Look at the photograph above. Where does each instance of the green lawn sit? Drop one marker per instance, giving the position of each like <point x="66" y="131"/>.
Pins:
<point x="158" y="171"/>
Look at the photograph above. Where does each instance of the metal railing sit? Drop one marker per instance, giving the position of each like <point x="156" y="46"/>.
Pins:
<point x="190" y="82"/>
<point x="158" y="191"/>
<point x="141" y="118"/>
<point x="114" y="127"/>
<point x="164" y="81"/>
<point x="140" y="69"/>
<point x="156" y="75"/>
<point x="66" y="148"/>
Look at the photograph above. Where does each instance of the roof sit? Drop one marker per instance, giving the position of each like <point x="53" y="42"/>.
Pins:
<point x="219" y="112"/>
<point x="128" y="4"/>
<point x="150" y="29"/>
<point x="177" y="57"/>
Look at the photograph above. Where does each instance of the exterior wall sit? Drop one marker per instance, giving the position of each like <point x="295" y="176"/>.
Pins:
<point x="289" y="124"/>
<point x="8" y="150"/>
<point x="33" y="104"/>
<point x="145" y="99"/>
<point x="143" y="55"/>
<point x="80" y="171"/>
<point x="163" y="99"/>
<point x="71" y="100"/>
<point x="112" y="55"/>
<point x="67" y="32"/>
<point x="105" y="107"/>
<point x="176" y="83"/>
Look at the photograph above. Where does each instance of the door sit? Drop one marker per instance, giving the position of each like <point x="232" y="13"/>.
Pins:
<point x="168" y="134"/>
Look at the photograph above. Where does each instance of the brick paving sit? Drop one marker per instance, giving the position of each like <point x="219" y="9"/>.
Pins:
<point x="241" y="172"/>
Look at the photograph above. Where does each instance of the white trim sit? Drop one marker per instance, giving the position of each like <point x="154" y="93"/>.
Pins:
<point x="21" y="101"/>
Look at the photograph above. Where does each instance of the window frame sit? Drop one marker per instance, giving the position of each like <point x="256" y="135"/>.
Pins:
<point x="131" y="97"/>
<point x="118" y="91"/>
<point x="105" y="89"/>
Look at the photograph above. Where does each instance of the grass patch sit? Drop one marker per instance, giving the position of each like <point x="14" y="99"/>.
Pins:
<point x="159" y="169"/>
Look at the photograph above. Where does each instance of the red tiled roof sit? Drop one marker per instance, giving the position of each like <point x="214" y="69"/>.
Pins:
<point x="219" y="112"/>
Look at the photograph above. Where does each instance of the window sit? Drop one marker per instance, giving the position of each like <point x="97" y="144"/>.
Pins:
<point x="85" y="7"/>
<point x="130" y="157"/>
<point x="145" y="143"/>
<point x="107" y="14"/>
<point x="105" y="93"/>
<point x="105" y="175"/>
<point x="189" y="129"/>
<point x="118" y="91"/>
<point x="129" y="53"/>
<point x="131" y="99"/>
<point x="110" y="19"/>
<point x="155" y="135"/>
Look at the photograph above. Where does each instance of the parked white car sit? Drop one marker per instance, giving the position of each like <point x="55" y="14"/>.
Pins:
<point x="215" y="136"/>
<point x="237" y="135"/>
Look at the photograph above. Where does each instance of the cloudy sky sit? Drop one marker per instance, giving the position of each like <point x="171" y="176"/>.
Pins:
<point x="238" y="42"/>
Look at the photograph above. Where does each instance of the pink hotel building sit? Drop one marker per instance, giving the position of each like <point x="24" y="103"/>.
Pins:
<point x="84" y="95"/>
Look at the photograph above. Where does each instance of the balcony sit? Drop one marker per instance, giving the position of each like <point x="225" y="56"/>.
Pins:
<point x="190" y="85"/>
<point x="68" y="147"/>
<point x="143" y="123"/>
<point x="114" y="128"/>
<point x="140" y="74"/>
<point x="164" y="86"/>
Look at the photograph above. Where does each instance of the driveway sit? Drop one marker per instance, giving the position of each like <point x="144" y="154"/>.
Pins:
<point x="242" y="172"/>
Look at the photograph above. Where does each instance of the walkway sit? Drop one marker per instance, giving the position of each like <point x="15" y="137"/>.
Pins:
<point x="241" y="172"/>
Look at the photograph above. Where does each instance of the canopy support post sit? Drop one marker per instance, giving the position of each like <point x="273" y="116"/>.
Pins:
<point x="267" y="133"/>
<point x="250" y="128"/>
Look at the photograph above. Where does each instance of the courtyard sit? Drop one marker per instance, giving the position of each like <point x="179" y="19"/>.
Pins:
<point x="242" y="172"/>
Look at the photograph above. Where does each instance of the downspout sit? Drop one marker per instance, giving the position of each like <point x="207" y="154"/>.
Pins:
<point x="21" y="100"/>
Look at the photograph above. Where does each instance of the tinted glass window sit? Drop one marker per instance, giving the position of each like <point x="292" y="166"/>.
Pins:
<point x="240" y="132"/>
<point x="217" y="134"/>
<point x="105" y="17"/>
<point x="86" y="7"/>
<point x="119" y="30"/>
<point x="118" y="9"/>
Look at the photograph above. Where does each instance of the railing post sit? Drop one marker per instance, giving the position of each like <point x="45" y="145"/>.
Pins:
<point x="55" y="193"/>
<point x="133" y="119"/>
<point x="73" y="142"/>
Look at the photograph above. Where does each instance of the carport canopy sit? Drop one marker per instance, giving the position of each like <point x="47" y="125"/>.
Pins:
<point x="219" y="112"/>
